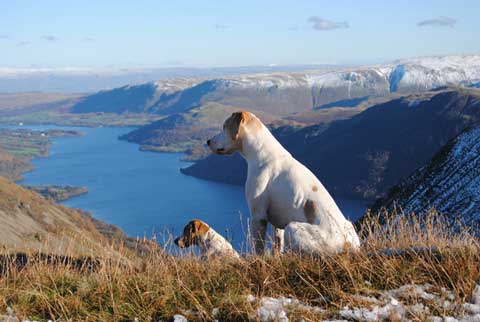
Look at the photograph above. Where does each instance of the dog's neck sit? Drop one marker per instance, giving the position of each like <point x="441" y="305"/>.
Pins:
<point x="261" y="147"/>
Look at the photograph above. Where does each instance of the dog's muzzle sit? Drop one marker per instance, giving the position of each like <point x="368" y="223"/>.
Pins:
<point x="179" y="241"/>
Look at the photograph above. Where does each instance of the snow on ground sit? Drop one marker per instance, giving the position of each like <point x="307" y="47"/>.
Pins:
<point x="275" y="309"/>
<point x="417" y="302"/>
<point x="401" y="304"/>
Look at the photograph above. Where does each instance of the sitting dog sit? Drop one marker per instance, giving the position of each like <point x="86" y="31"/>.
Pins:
<point x="209" y="242"/>
<point x="279" y="189"/>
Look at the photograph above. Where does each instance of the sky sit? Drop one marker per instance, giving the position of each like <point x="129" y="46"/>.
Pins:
<point x="183" y="33"/>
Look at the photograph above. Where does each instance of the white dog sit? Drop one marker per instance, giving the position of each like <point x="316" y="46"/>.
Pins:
<point x="279" y="189"/>
<point x="209" y="242"/>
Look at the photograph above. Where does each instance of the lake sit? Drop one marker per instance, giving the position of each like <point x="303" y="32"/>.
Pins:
<point x="143" y="193"/>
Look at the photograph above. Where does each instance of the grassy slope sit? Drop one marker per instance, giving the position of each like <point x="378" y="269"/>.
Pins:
<point x="158" y="286"/>
<point x="11" y="167"/>
<point x="28" y="221"/>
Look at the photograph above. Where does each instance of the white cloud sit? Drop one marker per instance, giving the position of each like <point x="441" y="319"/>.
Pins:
<point x="441" y="21"/>
<point x="220" y="26"/>
<point x="50" y="38"/>
<point x="319" y="23"/>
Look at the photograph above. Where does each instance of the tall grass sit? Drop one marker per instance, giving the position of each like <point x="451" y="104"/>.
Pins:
<point x="158" y="285"/>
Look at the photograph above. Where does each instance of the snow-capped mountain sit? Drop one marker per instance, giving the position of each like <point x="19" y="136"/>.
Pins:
<point x="450" y="182"/>
<point x="286" y="93"/>
<point x="419" y="73"/>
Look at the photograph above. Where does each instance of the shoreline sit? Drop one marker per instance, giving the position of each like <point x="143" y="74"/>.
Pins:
<point x="57" y="193"/>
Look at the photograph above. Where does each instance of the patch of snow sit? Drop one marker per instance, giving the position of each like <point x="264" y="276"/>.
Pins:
<point x="393" y="307"/>
<point x="271" y="310"/>
<point x="179" y="318"/>
<point x="175" y="84"/>
<point x="393" y="310"/>
<point x="215" y="312"/>
<point x="476" y="295"/>
<point x="251" y="298"/>
<point x="276" y="309"/>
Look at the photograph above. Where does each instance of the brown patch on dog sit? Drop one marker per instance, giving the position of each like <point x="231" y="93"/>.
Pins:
<point x="201" y="228"/>
<point x="237" y="121"/>
<point x="310" y="210"/>
<point x="315" y="188"/>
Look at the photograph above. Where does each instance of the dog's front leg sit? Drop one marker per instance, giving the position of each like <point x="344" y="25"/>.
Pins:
<point x="259" y="231"/>
<point x="278" y="240"/>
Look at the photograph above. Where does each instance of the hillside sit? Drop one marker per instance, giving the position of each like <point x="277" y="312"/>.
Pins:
<point x="29" y="222"/>
<point x="11" y="166"/>
<point x="450" y="182"/>
<point x="286" y="93"/>
<point x="367" y="154"/>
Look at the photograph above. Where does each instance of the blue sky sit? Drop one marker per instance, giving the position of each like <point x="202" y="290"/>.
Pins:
<point x="104" y="34"/>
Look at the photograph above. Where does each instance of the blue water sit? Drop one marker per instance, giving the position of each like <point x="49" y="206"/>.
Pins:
<point x="143" y="193"/>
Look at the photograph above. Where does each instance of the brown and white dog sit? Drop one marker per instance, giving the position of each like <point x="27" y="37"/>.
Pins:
<point x="209" y="242"/>
<point x="279" y="189"/>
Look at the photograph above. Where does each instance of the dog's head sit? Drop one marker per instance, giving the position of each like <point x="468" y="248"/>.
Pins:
<point x="193" y="234"/>
<point x="234" y="129"/>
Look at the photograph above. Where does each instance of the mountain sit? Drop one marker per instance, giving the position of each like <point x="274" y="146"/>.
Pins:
<point x="450" y="182"/>
<point x="365" y="155"/>
<point x="133" y="99"/>
<point x="30" y="222"/>
<point x="284" y="93"/>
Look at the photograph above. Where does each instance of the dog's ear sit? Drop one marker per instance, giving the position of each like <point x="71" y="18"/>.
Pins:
<point x="237" y="121"/>
<point x="201" y="228"/>
<point x="233" y="123"/>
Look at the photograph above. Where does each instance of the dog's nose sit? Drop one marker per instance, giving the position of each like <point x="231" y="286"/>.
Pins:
<point x="179" y="242"/>
<point x="208" y="142"/>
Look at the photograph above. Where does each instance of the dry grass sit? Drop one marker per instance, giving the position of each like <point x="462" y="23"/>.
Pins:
<point x="159" y="285"/>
